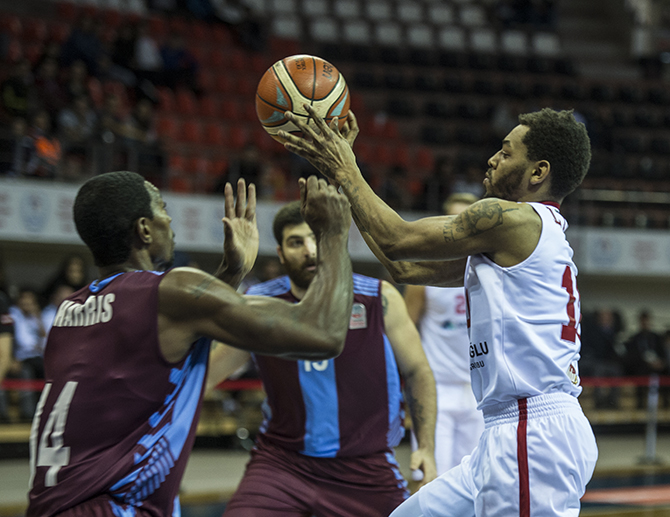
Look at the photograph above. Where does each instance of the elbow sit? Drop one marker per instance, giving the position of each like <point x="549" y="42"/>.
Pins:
<point x="332" y="347"/>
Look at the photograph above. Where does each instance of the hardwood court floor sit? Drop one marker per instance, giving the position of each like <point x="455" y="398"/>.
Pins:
<point x="621" y="486"/>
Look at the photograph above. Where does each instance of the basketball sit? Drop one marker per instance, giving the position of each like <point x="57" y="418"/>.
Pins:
<point x="297" y="80"/>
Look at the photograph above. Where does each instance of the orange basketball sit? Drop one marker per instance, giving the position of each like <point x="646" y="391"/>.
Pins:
<point x="297" y="80"/>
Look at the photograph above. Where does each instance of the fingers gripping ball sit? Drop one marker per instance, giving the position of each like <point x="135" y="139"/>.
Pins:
<point x="297" y="80"/>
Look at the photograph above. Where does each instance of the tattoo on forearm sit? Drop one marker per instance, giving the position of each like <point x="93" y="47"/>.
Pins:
<point x="200" y="289"/>
<point x="477" y="219"/>
<point x="385" y="305"/>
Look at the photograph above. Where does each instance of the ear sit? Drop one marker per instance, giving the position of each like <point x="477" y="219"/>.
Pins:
<point x="540" y="172"/>
<point x="143" y="230"/>
<point x="280" y="254"/>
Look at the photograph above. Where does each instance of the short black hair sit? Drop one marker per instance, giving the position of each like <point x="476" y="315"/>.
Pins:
<point x="288" y="215"/>
<point x="105" y="211"/>
<point x="557" y="137"/>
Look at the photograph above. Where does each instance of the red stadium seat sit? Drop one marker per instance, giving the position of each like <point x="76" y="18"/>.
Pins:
<point x="238" y="137"/>
<point x="186" y="102"/>
<point x="260" y="64"/>
<point x="95" y="92"/>
<point x="425" y="159"/>
<point x="158" y="27"/>
<point x="245" y="87"/>
<point x="218" y="59"/>
<point x="221" y="36"/>
<point x="66" y="11"/>
<point x="34" y="30"/>
<point x="214" y="134"/>
<point x="179" y="25"/>
<point x="239" y="60"/>
<point x="11" y="24"/>
<point x="402" y="156"/>
<point x="200" y="53"/>
<point x="166" y="98"/>
<point x="231" y="110"/>
<point x="209" y="107"/>
<point x="167" y="128"/>
<point x="224" y="83"/>
<point x="59" y="32"/>
<point x="14" y="51"/>
<point x="111" y="18"/>
<point x="33" y="51"/>
<point x="191" y="132"/>
<point x="199" y="31"/>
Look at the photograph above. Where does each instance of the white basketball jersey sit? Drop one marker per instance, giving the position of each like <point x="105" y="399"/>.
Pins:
<point x="444" y="334"/>
<point x="524" y="320"/>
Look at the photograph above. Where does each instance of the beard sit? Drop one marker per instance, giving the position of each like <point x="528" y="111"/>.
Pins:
<point x="299" y="274"/>
<point x="506" y="187"/>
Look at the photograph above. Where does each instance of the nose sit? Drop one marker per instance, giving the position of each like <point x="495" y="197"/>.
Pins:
<point x="310" y="247"/>
<point x="493" y="160"/>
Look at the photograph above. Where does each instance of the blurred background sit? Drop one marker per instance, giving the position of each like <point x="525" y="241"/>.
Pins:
<point x="166" y="88"/>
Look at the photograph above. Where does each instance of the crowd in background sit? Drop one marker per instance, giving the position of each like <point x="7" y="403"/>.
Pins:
<point x="27" y="315"/>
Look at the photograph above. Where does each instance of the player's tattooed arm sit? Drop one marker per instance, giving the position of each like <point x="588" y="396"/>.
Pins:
<point x="198" y="290"/>
<point x="477" y="219"/>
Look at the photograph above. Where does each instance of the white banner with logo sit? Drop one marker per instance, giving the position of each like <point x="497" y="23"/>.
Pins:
<point x="39" y="211"/>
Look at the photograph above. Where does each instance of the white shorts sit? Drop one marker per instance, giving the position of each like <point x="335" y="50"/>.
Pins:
<point x="534" y="458"/>
<point x="458" y="426"/>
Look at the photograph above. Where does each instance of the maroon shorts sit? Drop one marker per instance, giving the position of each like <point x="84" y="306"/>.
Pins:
<point x="282" y="483"/>
<point x="102" y="506"/>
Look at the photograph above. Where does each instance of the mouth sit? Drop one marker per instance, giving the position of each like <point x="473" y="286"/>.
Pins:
<point x="311" y="268"/>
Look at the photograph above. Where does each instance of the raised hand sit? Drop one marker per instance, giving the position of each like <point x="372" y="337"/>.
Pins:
<point x="326" y="148"/>
<point x="323" y="207"/>
<point x="240" y="230"/>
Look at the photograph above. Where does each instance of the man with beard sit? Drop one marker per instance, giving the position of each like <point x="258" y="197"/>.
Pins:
<point x="126" y="358"/>
<point x="326" y="446"/>
<point x="522" y="306"/>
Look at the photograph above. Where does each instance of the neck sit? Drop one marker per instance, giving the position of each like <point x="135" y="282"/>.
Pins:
<point x="296" y="291"/>
<point x="138" y="261"/>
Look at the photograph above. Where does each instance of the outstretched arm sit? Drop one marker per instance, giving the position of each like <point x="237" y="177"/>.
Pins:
<point x="491" y="226"/>
<point x="193" y="303"/>
<point x="419" y="382"/>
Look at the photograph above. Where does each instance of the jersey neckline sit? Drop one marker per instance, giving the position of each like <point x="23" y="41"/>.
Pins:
<point x="551" y="203"/>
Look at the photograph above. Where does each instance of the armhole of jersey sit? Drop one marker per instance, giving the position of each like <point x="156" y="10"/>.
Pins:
<point x="530" y="257"/>
<point x="159" y="352"/>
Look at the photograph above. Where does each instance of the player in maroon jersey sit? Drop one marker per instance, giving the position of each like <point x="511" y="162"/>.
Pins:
<point x="326" y="446"/>
<point x="126" y="359"/>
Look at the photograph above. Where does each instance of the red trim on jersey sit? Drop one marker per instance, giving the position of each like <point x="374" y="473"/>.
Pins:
<point x="522" y="459"/>
<point x="551" y="203"/>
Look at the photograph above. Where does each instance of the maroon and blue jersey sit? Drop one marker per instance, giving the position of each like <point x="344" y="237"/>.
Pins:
<point x="348" y="406"/>
<point x="114" y="417"/>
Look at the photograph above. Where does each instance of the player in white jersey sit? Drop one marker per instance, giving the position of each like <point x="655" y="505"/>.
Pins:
<point x="439" y="313"/>
<point x="537" y="451"/>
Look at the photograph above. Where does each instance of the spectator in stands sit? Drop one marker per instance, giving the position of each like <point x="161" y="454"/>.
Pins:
<point x="83" y="44"/>
<point x="76" y="78"/>
<point x="49" y="312"/>
<point x="644" y="354"/>
<point x="248" y="165"/>
<point x="10" y="143"/>
<point x="147" y="56"/>
<point x="71" y="273"/>
<point x="39" y="152"/>
<point x="470" y="181"/>
<point x="49" y="93"/>
<point x="142" y="123"/>
<point x="601" y="355"/>
<point x="51" y="50"/>
<point x="6" y="345"/>
<point x="180" y="67"/>
<point x="250" y="28"/>
<point x="108" y="71"/>
<point x="16" y="90"/>
<point x="112" y="123"/>
<point x="123" y="48"/>
<point x="77" y="123"/>
<point x="29" y="341"/>
<point x="437" y="186"/>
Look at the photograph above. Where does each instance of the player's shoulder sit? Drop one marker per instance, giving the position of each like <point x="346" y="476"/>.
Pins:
<point x="366" y="285"/>
<point x="274" y="287"/>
